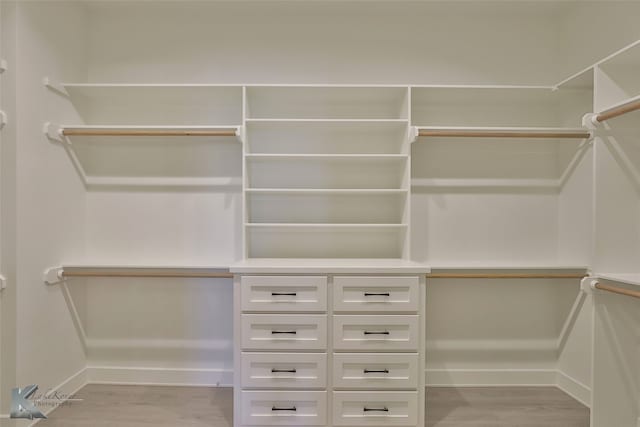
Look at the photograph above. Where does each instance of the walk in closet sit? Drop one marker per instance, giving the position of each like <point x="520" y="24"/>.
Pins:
<point x="335" y="208"/>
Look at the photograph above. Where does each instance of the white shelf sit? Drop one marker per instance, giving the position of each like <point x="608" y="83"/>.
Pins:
<point x="328" y="265"/>
<point x="484" y="268"/>
<point x="98" y="181"/>
<point x="311" y="226"/>
<point x="326" y="191"/>
<point x="149" y="127"/>
<point x="624" y="279"/>
<point x="485" y="183"/>
<point x="349" y="157"/>
<point x="347" y="120"/>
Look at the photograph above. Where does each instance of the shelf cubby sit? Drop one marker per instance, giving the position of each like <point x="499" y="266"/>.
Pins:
<point x="331" y="137"/>
<point x="330" y="102"/>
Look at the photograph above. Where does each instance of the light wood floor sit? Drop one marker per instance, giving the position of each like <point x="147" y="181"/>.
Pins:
<point x="143" y="406"/>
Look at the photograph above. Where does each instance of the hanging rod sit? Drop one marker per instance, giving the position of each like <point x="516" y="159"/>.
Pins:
<point x="504" y="276"/>
<point x="114" y="132"/>
<point x="58" y="274"/>
<point x="617" y="290"/>
<point x="619" y="110"/>
<point x="503" y="133"/>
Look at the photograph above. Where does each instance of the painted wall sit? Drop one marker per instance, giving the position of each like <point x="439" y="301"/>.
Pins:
<point x="50" y="200"/>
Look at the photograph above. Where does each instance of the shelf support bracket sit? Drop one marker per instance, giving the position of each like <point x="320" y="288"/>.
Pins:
<point x="588" y="285"/>
<point x="53" y="275"/>
<point x="55" y="86"/>
<point x="240" y="133"/>
<point x="3" y="66"/>
<point x="413" y="134"/>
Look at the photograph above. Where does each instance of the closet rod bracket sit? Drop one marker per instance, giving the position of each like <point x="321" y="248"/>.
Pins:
<point x="3" y="282"/>
<point x="590" y="121"/>
<point x="588" y="285"/>
<point x="3" y="66"/>
<point x="54" y="132"/>
<point x="413" y="134"/>
<point x="240" y="133"/>
<point x="53" y="275"/>
<point x="3" y="119"/>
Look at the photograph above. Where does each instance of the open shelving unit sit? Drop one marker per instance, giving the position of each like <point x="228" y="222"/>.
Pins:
<point x="327" y="172"/>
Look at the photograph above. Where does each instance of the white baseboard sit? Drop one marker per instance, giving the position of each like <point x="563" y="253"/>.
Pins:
<point x="489" y="377"/>
<point x="159" y="376"/>
<point x="67" y="388"/>
<point x="574" y="388"/>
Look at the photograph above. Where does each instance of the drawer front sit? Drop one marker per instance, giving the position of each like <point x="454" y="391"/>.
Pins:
<point x="284" y="293"/>
<point x="375" y="408"/>
<point x="284" y="408"/>
<point x="284" y="332"/>
<point x="284" y="370"/>
<point x="375" y="333"/>
<point x="376" y="294"/>
<point x="375" y="371"/>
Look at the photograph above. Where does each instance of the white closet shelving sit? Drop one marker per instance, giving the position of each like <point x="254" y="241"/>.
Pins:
<point x="327" y="172"/>
<point x="153" y="135"/>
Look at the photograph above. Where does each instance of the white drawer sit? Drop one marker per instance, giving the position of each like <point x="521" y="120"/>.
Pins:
<point x="284" y="293"/>
<point x="284" y="332"/>
<point x="375" y="408"/>
<point x="375" y="294"/>
<point x="284" y="370"/>
<point x="375" y="371"/>
<point x="379" y="333"/>
<point x="284" y="408"/>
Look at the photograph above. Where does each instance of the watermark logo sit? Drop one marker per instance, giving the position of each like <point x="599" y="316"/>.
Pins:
<point x="21" y="406"/>
<point x="25" y="403"/>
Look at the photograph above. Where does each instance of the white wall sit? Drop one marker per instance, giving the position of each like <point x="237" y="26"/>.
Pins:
<point x="50" y="197"/>
<point x="325" y="42"/>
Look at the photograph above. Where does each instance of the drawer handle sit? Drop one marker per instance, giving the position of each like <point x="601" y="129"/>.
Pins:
<point x="376" y="333"/>
<point x="290" y="371"/>
<point x="376" y="371"/>
<point x="284" y="294"/>
<point x="377" y="294"/>
<point x="292" y="408"/>
<point x="383" y="409"/>
<point x="284" y="332"/>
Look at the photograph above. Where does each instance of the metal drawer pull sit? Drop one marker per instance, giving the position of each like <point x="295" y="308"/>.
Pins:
<point x="283" y="332"/>
<point x="376" y="332"/>
<point x="377" y="294"/>
<point x="284" y="294"/>
<point x="384" y="409"/>
<point x="275" y="408"/>
<point x="376" y="371"/>
<point x="290" y="371"/>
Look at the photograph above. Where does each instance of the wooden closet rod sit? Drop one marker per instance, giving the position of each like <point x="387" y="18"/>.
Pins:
<point x="113" y="132"/>
<point x="146" y="274"/>
<point x="618" y="111"/>
<point x="502" y="134"/>
<point x="503" y="276"/>
<point x="617" y="290"/>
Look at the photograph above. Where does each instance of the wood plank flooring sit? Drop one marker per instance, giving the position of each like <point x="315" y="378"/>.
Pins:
<point x="143" y="406"/>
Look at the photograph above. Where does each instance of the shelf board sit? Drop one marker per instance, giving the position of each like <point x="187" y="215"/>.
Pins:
<point x="485" y="183"/>
<point x="326" y="191"/>
<point x="621" y="278"/>
<point x="290" y="225"/>
<point x="355" y="121"/>
<point x="329" y="265"/>
<point x="364" y="157"/>
<point x="503" y="132"/>
<point x="97" y="181"/>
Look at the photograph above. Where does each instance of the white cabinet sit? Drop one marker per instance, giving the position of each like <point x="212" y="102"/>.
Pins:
<point x="329" y="349"/>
